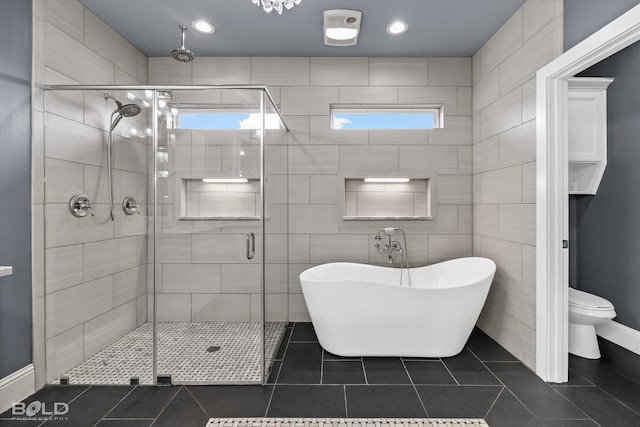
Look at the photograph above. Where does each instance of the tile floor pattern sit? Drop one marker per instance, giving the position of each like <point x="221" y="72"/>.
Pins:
<point x="213" y="352"/>
<point x="484" y="381"/>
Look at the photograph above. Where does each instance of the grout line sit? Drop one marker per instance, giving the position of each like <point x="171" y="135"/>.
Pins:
<point x="494" y="402"/>
<point x="486" y="367"/>
<point x="119" y="402"/>
<point x="449" y="371"/>
<point x="197" y="401"/>
<point x="346" y="406"/>
<point x="321" y="364"/>
<point x="415" y="389"/>
<point x="167" y="405"/>
<point x="364" y="371"/>
<point x="275" y="382"/>
<point x="507" y="388"/>
<point x="266" y="411"/>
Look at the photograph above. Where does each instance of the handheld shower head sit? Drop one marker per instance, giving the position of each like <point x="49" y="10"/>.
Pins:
<point x="129" y="110"/>
<point x="182" y="54"/>
<point x="126" y="110"/>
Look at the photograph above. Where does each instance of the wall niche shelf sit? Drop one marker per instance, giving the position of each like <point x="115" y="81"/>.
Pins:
<point x="384" y="199"/>
<point x="587" y="133"/>
<point x="217" y="201"/>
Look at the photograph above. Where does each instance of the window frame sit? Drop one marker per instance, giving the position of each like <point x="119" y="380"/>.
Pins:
<point x="437" y="110"/>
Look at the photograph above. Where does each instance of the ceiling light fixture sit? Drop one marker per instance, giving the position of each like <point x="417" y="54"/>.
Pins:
<point x="397" y="27"/>
<point x="341" y="27"/>
<point x="277" y="5"/>
<point x="203" y="26"/>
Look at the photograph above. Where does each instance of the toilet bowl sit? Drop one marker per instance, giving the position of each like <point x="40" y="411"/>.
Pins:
<point x="585" y="311"/>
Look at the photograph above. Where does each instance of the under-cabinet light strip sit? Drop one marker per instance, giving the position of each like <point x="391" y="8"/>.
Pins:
<point x="386" y="180"/>
<point x="226" y="180"/>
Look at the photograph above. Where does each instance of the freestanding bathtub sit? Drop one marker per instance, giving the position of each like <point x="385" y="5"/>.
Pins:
<point x="360" y="309"/>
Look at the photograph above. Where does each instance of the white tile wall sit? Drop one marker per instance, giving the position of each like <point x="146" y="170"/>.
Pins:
<point x="226" y="70"/>
<point x="502" y="44"/>
<point x="169" y="71"/>
<point x="110" y="256"/>
<point x="280" y="71"/>
<point x="63" y="352"/>
<point x="221" y="307"/>
<point x="64" y="267"/>
<point x="191" y="278"/>
<point x="398" y="71"/>
<point x="107" y="328"/>
<point x="338" y="247"/>
<point x="451" y="71"/>
<point x="339" y="71"/>
<point x="111" y="45"/>
<point x="68" y="16"/>
<point x="72" y="58"/>
<point x="504" y="181"/>
<point x="75" y="305"/>
<point x="308" y="100"/>
<point x="522" y="65"/>
<point x="129" y="285"/>
<point x="72" y="46"/>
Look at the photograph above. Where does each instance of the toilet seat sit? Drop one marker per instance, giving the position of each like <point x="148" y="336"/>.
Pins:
<point x="589" y="301"/>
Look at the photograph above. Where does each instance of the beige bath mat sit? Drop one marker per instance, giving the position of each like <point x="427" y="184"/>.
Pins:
<point x="346" y="422"/>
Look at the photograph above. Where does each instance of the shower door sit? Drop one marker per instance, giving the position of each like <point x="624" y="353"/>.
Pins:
<point x="209" y="251"/>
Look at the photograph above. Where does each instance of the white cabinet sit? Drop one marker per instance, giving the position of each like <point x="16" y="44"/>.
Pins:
<point x="587" y="133"/>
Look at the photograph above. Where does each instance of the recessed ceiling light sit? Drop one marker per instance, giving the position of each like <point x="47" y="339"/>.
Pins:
<point x="397" y="27"/>
<point x="203" y="26"/>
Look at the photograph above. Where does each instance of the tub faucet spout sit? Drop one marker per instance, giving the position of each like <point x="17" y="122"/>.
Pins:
<point x="394" y="246"/>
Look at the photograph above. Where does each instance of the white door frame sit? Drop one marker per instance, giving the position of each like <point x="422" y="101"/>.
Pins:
<point x="552" y="212"/>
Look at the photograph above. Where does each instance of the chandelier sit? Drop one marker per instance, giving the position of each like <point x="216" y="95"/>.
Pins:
<point x="277" y="5"/>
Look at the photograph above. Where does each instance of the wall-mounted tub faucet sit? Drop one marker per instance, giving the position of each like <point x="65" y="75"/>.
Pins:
<point x="392" y="246"/>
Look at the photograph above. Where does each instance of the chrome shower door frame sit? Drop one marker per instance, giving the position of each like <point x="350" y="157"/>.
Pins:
<point x="265" y="99"/>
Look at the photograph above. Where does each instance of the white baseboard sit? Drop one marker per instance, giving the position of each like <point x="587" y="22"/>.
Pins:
<point x="622" y="335"/>
<point x="16" y="387"/>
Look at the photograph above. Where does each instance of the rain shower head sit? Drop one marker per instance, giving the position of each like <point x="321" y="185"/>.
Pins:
<point x="127" y="110"/>
<point x="182" y="54"/>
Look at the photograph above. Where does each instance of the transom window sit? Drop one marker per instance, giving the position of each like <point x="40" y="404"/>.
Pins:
<point x="386" y="117"/>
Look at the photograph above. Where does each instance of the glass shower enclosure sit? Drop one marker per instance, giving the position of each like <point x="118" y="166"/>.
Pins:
<point x="165" y="234"/>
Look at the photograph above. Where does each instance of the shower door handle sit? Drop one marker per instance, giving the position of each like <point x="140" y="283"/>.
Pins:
<point x="251" y="245"/>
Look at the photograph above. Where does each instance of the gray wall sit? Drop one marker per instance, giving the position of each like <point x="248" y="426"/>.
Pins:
<point x="584" y="17"/>
<point x="15" y="184"/>
<point x="607" y="225"/>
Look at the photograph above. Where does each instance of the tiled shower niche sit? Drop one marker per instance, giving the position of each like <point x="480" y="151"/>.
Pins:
<point x="215" y="200"/>
<point x="364" y="200"/>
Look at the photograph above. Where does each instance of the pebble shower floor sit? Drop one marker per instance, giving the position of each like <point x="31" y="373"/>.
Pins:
<point x="191" y="352"/>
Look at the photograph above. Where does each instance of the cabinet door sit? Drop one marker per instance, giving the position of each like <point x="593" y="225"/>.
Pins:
<point x="587" y="125"/>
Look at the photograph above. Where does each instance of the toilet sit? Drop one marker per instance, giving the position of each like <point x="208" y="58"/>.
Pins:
<point x="585" y="311"/>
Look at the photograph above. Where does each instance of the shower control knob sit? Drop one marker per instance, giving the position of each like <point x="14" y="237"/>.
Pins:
<point x="80" y="206"/>
<point x="130" y="206"/>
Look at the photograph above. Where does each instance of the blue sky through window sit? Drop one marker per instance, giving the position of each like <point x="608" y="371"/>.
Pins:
<point x="212" y="120"/>
<point x="383" y="120"/>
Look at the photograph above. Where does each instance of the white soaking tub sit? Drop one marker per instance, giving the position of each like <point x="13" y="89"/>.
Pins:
<point x="361" y="309"/>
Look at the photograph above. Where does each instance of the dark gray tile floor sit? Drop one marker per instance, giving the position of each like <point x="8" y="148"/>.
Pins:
<point x="484" y="381"/>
